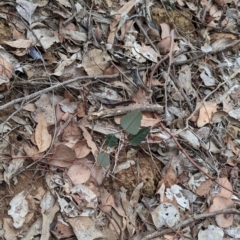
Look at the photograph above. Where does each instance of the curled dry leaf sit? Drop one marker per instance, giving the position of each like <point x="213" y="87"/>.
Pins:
<point x="165" y="30"/>
<point x="20" y="43"/>
<point x="90" y="142"/>
<point x="170" y="177"/>
<point x="147" y="52"/>
<point x="42" y="137"/>
<point x="164" y="45"/>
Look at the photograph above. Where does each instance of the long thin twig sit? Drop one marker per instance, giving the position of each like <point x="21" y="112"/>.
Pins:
<point x="146" y="35"/>
<point x="155" y="69"/>
<point x="150" y="235"/>
<point x="176" y="82"/>
<point x="204" y="54"/>
<point x="82" y="78"/>
<point x="156" y="108"/>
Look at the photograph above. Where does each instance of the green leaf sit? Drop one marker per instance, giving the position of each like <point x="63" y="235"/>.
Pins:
<point x="103" y="159"/>
<point x="131" y="122"/>
<point x="140" y="136"/>
<point x="111" y="140"/>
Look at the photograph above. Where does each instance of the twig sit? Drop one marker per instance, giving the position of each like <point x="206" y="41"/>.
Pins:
<point x="37" y="39"/>
<point x="155" y="69"/>
<point x="185" y="223"/>
<point x="36" y="94"/>
<point x="211" y="93"/>
<point x="176" y="82"/>
<point x="146" y="35"/>
<point x="70" y="19"/>
<point x="123" y="110"/>
<point x="204" y="54"/>
<point x="109" y="218"/>
<point x="192" y="161"/>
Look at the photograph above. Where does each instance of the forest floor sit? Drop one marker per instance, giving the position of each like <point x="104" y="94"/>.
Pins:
<point x="119" y="119"/>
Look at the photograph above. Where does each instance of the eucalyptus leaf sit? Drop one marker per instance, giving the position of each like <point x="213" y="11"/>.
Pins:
<point x="103" y="159"/>
<point x="131" y="122"/>
<point x="111" y="140"/>
<point x="135" y="140"/>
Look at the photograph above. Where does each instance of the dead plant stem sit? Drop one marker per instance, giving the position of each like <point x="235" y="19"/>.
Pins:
<point x="186" y="223"/>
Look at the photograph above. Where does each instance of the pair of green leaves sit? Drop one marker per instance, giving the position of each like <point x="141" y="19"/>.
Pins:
<point x="131" y="123"/>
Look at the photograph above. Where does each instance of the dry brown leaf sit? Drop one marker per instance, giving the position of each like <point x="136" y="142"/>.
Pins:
<point x="170" y="178"/>
<point x="164" y="45"/>
<point x="63" y="156"/>
<point x="31" y="107"/>
<point x="147" y="52"/>
<point x="140" y="96"/>
<point x="6" y="69"/>
<point x="86" y="230"/>
<point x="32" y="152"/>
<point x="20" y="43"/>
<point x="204" y="189"/>
<point x="165" y="30"/>
<point x="206" y="112"/>
<point x="95" y="62"/>
<point x="81" y="110"/>
<point x="90" y="142"/>
<point x="42" y="137"/>
<point x="79" y="173"/>
<point x="16" y="34"/>
<point x="221" y="203"/>
<point x="148" y="121"/>
<point x="71" y="133"/>
<point x="62" y="230"/>
<point x="81" y="149"/>
<point x="224" y="192"/>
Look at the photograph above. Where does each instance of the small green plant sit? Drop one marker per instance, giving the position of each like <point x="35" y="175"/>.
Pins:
<point x="131" y="123"/>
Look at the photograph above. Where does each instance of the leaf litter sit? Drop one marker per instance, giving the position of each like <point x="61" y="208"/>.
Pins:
<point x="119" y="119"/>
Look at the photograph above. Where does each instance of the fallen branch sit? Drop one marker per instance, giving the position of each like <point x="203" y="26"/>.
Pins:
<point x="204" y="54"/>
<point x="148" y="236"/>
<point x="156" y="108"/>
<point x="39" y="93"/>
